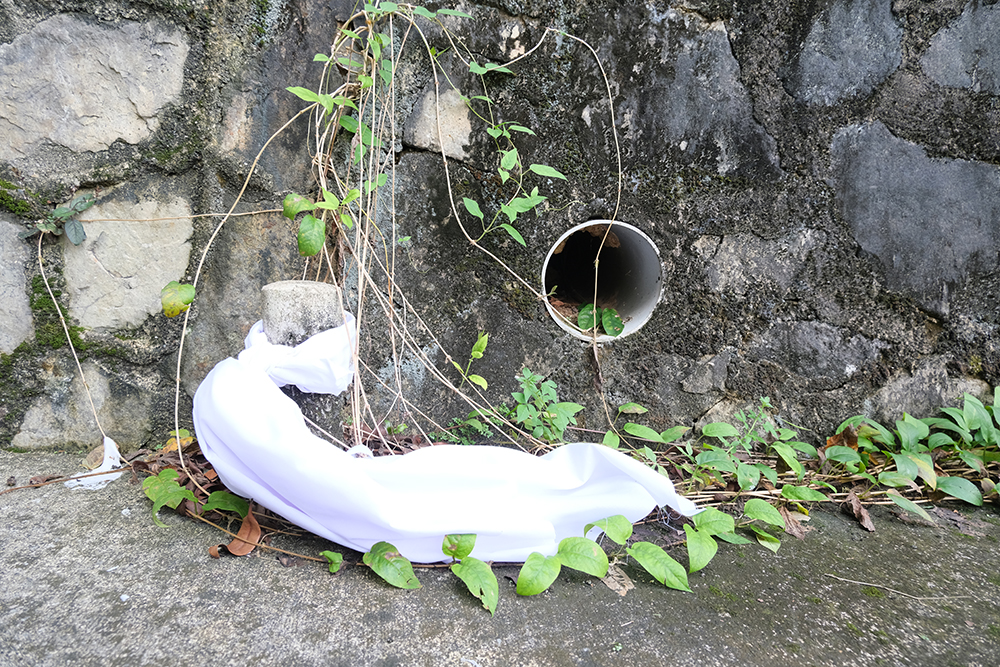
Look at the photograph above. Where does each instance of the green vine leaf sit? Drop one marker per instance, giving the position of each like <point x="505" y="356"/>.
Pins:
<point x="720" y="430"/>
<point x="765" y="511"/>
<point x="640" y="431"/>
<point x="788" y="455"/>
<point x="733" y="538"/>
<point x="537" y="574"/>
<point x="458" y="546"/>
<point x="330" y="201"/>
<point x="480" y="580"/>
<point x="673" y="433"/>
<point x="545" y="170"/>
<point x="175" y="298"/>
<point x="508" y="159"/>
<point x="312" y="236"/>
<point x="516" y="235"/>
<point x="584" y="555"/>
<point x="961" y="488"/>
<point x="612" y="323"/>
<point x="802" y="494"/>
<point x="660" y="565"/>
<point x="894" y="479"/>
<point x="713" y="522"/>
<point x="74" y="231"/>
<point x="472" y="207"/>
<point x="295" y="204"/>
<point x="164" y="490"/>
<point x="586" y="318"/>
<point x="617" y="528"/>
<point x="226" y="502"/>
<point x="908" y="505"/>
<point x="766" y="539"/>
<point x="701" y="548"/>
<point x="349" y="123"/>
<point x="386" y="561"/>
<point x="333" y="559"/>
<point x="304" y="93"/>
<point x="747" y="476"/>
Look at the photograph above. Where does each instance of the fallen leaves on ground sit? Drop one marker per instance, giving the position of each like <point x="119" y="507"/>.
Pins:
<point x="792" y="525"/>
<point x="618" y="581"/>
<point x="245" y="541"/>
<point x="854" y="507"/>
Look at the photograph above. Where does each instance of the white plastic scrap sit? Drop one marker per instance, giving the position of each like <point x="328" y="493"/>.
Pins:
<point x="112" y="461"/>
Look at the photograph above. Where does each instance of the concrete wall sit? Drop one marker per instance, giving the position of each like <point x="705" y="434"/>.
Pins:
<point x="820" y="179"/>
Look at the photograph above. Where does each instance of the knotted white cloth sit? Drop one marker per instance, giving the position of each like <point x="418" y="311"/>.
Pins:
<point x="514" y="502"/>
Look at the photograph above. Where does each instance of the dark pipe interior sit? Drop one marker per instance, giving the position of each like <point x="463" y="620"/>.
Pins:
<point x="571" y="271"/>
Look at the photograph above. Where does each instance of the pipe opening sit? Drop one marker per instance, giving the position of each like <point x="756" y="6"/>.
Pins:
<point x="629" y="277"/>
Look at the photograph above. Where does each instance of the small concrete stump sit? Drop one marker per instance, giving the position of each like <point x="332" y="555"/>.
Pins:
<point x="294" y="310"/>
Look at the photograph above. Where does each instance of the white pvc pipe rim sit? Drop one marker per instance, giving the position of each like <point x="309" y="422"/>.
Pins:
<point x="630" y="274"/>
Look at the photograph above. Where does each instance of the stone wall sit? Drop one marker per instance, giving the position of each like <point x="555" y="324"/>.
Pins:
<point x="821" y="180"/>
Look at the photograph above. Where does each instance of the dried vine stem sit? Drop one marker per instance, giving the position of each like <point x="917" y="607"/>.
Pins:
<point x="197" y="276"/>
<point x="893" y="590"/>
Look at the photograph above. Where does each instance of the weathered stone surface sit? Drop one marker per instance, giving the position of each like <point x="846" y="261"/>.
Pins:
<point x="15" y="325"/>
<point x="421" y="128"/>
<point x="249" y="252"/>
<point x="83" y="85"/>
<point x="739" y="261"/>
<point x="815" y="350"/>
<point x="851" y="47"/>
<point x="925" y="388"/>
<point x="966" y="54"/>
<point x="931" y="223"/>
<point x="63" y="418"/>
<point x="708" y="374"/>
<point x="115" y="276"/>
<point x="679" y="93"/>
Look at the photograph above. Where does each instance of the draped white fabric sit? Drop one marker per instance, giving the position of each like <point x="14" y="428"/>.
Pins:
<point x="515" y="503"/>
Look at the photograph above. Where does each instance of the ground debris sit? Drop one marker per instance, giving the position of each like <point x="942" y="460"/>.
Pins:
<point x="854" y="507"/>
<point x="618" y="581"/>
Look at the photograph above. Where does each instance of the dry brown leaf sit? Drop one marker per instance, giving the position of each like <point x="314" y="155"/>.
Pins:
<point x="95" y="458"/>
<point x="246" y="540"/>
<point x="846" y="438"/>
<point x="792" y="525"/>
<point x="617" y="580"/>
<point x="854" y="507"/>
<point x="291" y="561"/>
<point x="41" y="479"/>
<point x="966" y="526"/>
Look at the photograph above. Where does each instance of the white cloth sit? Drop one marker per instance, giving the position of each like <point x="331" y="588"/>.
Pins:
<point x="514" y="502"/>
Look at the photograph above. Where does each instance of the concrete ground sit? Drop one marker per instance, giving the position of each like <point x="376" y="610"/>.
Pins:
<point x="88" y="579"/>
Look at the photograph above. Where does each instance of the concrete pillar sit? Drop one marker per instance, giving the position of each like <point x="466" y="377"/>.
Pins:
<point x="294" y="310"/>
